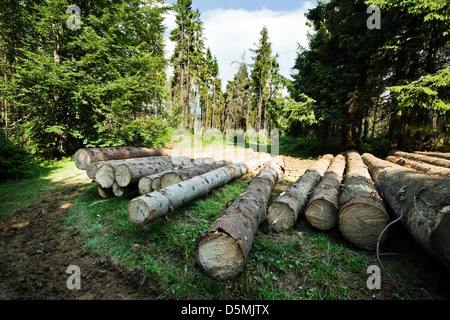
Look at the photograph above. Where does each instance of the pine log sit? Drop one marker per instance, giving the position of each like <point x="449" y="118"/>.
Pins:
<point x="323" y="209"/>
<point x="154" y="205"/>
<point x="87" y="155"/>
<point x="151" y="183"/>
<point x="178" y="175"/>
<point x="422" y="158"/>
<point x="362" y="216"/>
<point x="286" y="209"/>
<point x="420" y="166"/>
<point x="119" y="191"/>
<point x="422" y="201"/>
<point x="105" y="193"/>
<point x="222" y="251"/>
<point x="443" y="155"/>
<point x="92" y="168"/>
<point x="129" y="173"/>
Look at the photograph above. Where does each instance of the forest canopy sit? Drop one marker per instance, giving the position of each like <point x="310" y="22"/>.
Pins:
<point x="95" y="74"/>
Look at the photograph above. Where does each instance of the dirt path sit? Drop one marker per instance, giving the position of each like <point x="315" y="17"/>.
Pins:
<point x="36" y="250"/>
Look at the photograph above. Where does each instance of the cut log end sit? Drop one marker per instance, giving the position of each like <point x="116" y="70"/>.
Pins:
<point x="145" y="185"/>
<point x="138" y="211"/>
<point x="105" y="193"/>
<point x="123" y="175"/>
<point x="105" y="176"/>
<point x="281" y="217"/>
<point x="81" y="159"/>
<point x="322" y="214"/>
<point x="220" y="256"/>
<point x="169" y="179"/>
<point x="362" y="225"/>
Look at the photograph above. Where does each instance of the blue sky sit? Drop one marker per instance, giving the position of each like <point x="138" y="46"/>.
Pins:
<point x="232" y="28"/>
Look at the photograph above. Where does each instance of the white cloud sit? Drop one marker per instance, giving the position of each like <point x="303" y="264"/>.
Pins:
<point x="229" y="33"/>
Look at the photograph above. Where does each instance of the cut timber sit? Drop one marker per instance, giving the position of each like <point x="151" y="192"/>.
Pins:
<point x="105" y="173"/>
<point x="87" y="155"/>
<point x="129" y="173"/>
<point x="420" y="166"/>
<point x="323" y="209"/>
<point x="422" y="158"/>
<point x="285" y="210"/>
<point x="222" y="250"/>
<point x="176" y="176"/>
<point x="421" y="200"/>
<point x="151" y="183"/>
<point x="154" y="205"/>
<point x="362" y="216"/>
<point x="105" y="193"/>
<point x="443" y="155"/>
<point x="120" y="191"/>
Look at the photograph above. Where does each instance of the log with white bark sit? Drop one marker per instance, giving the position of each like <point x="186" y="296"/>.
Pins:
<point x="130" y="173"/>
<point x="222" y="251"/>
<point x="175" y="176"/>
<point x="322" y="210"/>
<point x="420" y="200"/>
<point x="422" y="158"/>
<point x="158" y="203"/>
<point x="92" y="168"/>
<point x="362" y="215"/>
<point x="151" y="183"/>
<point x="443" y="155"/>
<point x="286" y="209"/>
<point x="420" y="166"/>
<point x="87" y="155"/>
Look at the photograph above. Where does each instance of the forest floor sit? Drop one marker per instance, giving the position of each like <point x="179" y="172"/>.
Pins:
<point x="37" y="246"/>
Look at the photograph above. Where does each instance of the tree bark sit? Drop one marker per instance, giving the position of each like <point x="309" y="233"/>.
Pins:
<point x="87" y="155"/>
<point x="422" y="158"/>
<point x="154" y="205"/>
<point x="221" y="251"/>
<point x="422" y="202"/>
<point x="362" y="216"/>
<point x="323" y="208"/>
<point x="175" y="176"/>
<point x="129" y="173"/>
<point x="443" y="155"/>
<point x="285" y="210"/>
<point x="420" y="166"/>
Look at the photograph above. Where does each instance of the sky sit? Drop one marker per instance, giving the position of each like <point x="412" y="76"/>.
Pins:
<point x="232" y="27"/>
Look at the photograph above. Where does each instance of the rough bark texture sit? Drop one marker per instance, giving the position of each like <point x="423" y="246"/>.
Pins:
<point x="222" y="250"/>
<point x="362" y="216"/>
<point x="130" y="173"/>
<point x="154" y="205"/>
<point x="87" y="155"/>
<point x="420" y="166"/>
<point x="323" y="209"/>
<point x="443" y="155"/>
<point x="422" y="158"/>
<point x="285" y="210"/>
<point x="421" y="200"/>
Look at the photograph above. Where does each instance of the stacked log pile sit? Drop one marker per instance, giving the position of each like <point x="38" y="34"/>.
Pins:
<point x="433" y="163"/>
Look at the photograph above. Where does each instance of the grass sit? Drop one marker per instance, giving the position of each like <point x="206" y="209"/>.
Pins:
<point x="302" y="263"/>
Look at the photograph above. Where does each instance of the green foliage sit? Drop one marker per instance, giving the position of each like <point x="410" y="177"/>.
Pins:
<point x="15" y="161"/>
